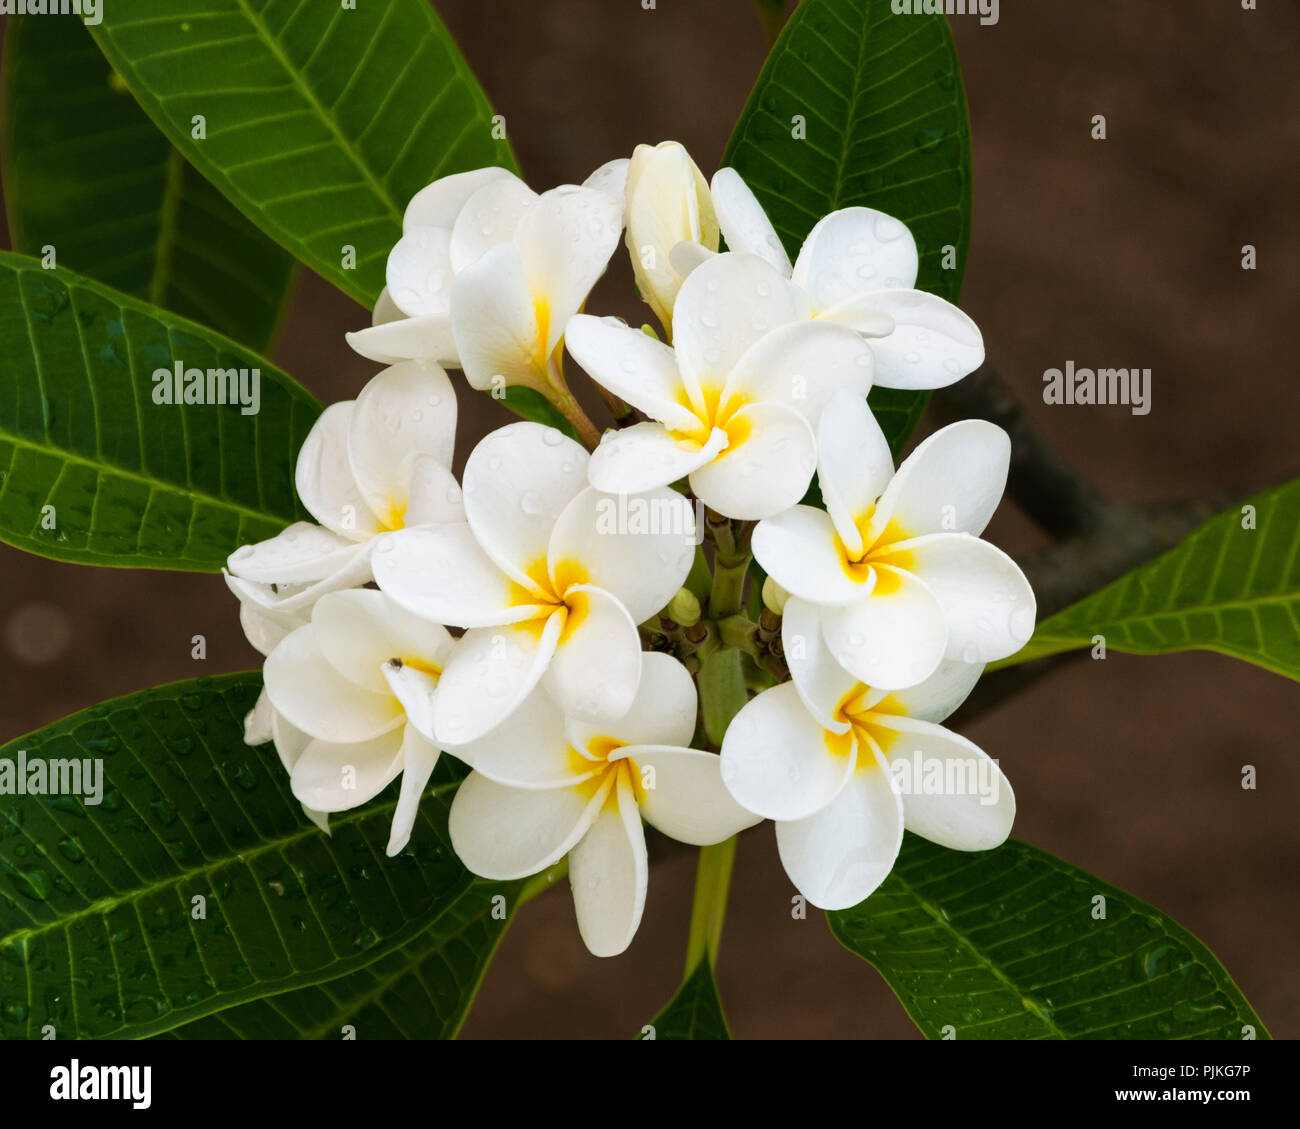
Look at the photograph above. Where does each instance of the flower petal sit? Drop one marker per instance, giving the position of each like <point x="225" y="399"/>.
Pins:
<point x="684" y="795"/>
<point x="768" y="467"/>
<point x="839" y="856"/>
<point x="403" y="339"/>
<point x="939" y="695"/>
<point x="611" y="179"/>
<point x="329" y="777"/>
<point x="608" y="873"/>
<point x="406" y="411"/>
<point x="505" y="833"/>
<point x="953" y="793"/>
<point x="490" y="216"/>
<point x="638" y="549"/>
<point x="324" y="479"/>
<point x="265" y="630"/>
<point x="565" y="240"/>
<point x="725" y="306"/>
<point x="663" y="712"/>
<point x="633" y="365"/>
<point x="494" y="321"/>
<point x="490" y="672"/>
<point x="517" y="482"/>
<point x="894" y="638"/>
<point x="743" y="222"/>
<point x="821" y="681"/>
<point x="360" y="630"/>
<point x="933" y="343"/>
<point x="987" y="600"/>
<point x="418" y="760"/>
<point x="778" y="762"/>
<point x="316" y="698"/>
<point x="597" y="663"/>
<point x="419" y="272"/>
<point x="530" y="749"/>
<point x="644" y="456"/>
<point x="952" y="482"/>
<point x="301" y="553"/>
<point x="417" y="691"/>
<point x="438" y="204"/>
<point x="435" y="496"/>
<point x="440" y="573"/>
<point x="852" y="251"/>
<point x="797" y="549"/>
<point x="854" y="464"/>
<point x="802" y="365"/>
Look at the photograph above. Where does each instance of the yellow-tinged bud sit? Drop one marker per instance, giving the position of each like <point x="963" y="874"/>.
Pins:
<point x="774" y="597"/>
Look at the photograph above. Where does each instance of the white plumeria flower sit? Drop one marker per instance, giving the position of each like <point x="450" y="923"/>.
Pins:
<point x="352" y="692"/>
<point x="894" y="567"/>
<point x="545" y="785"/>
<point x="858" y="267"/>
<point x="733" y="405"/>
<point x="447" y="226"/>
<point x="547" y="584"/>
<point x="376" y="463"/>
<point x="844" y="769"/>
<point x="668" y="204"/>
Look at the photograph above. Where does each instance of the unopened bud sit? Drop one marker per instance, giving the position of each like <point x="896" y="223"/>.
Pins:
<point x="684" y="608"/>
<point x="774" y="597"/>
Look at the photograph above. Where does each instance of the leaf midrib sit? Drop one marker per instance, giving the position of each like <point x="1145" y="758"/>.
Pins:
<point x="937" y="917"/>
<point x="300" y="84"/>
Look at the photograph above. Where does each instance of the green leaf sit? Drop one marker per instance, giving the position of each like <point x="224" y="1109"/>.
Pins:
<point x="1005" y="944"/>
<point x="97" y="933"/>
<point x="321" y="121"/>
<point x="885" y="113"/>
<point x="88" y="173"/>
<point x="92" y="470"/>
<point x="1232" y="586"/>
<point x="695" y="1012"/>
<point x="422" y="990"/>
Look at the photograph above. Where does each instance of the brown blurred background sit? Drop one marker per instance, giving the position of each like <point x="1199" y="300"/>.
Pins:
<point x="1119" y="253"/>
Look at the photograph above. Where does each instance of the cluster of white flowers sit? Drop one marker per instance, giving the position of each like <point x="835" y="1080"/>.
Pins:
<point x="574" y="732"/>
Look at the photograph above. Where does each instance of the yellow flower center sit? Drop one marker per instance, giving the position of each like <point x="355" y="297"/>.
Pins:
<point x="557" y="594"/>
<point x="604" y="771"/>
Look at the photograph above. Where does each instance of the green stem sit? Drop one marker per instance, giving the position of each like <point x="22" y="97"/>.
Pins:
<point x="709" y="908"/>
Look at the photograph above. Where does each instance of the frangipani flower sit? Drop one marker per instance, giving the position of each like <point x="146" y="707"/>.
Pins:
<point x="512" y="299"/>
<point x="734" y="403"/>
<point x="844" y="769"/>
<point x="545" y="785"/>
<point x="379" y="462"/>
<point x="894" y="566"/>
<point x="355" y="690"/>
<point x="548" y="589"/>
<point x="858" y="267"/>
<point x="668" y="203"/>
<point x="447" y="226"/>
